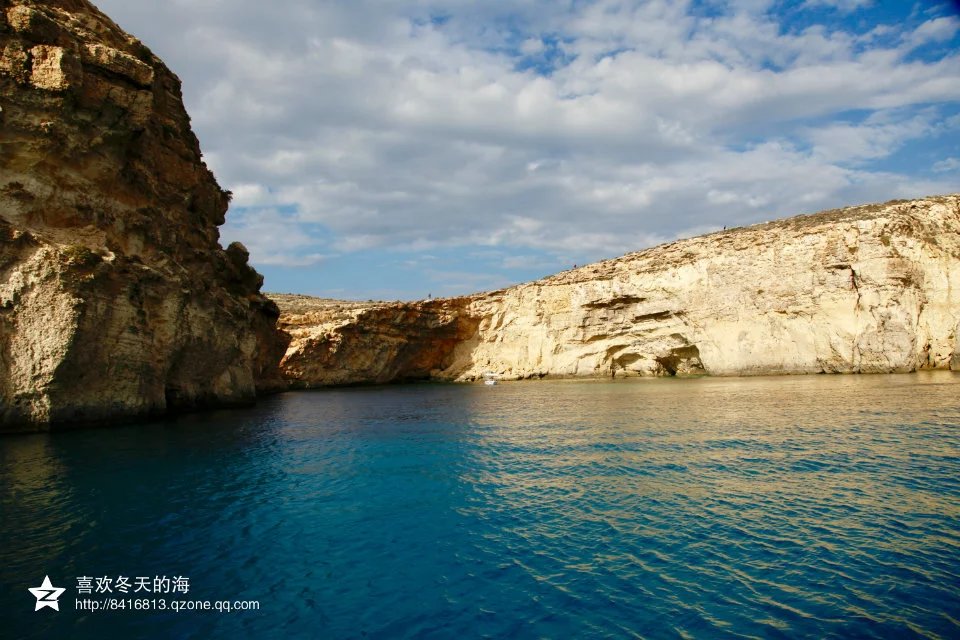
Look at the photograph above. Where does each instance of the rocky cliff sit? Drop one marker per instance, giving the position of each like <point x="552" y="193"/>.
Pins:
<point x="336" y="342"/>
<point x="864" y="289"/>
<point x="116" y="298"/>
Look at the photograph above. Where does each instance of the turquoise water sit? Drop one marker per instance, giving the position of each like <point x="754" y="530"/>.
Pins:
<point x="821" y="506"/>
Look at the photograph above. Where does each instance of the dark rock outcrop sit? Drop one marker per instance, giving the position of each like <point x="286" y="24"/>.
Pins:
<point x="372" y="343"/>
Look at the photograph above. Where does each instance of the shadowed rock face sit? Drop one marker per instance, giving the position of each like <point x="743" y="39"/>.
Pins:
<point x="348" y="343"/>
<point x="857" y="290"/>
<point x="116" y="299"/>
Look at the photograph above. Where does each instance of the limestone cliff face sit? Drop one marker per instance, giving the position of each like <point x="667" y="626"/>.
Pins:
<point x="864" y="289"/>
<point x="346" y="343"/>
<point x="116" y="298"/>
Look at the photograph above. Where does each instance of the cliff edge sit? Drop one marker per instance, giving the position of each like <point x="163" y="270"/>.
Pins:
<point x="866" y="289"/>
<point x="116" y="298"/>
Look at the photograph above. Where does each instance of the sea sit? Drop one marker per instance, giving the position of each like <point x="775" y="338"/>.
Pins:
<point x="773" y="507"/>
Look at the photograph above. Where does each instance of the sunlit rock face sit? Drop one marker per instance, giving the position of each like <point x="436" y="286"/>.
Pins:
<point x="116" y="299"/>
<point x="860" y="290"/>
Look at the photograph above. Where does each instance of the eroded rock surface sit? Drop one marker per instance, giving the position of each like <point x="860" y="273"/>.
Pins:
<point x="116" y="299"/>
<point x="336" y="342"/>
<point x="858" y="290"/>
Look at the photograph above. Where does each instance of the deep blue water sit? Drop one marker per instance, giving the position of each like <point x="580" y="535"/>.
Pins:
<point x="821" y="506"/>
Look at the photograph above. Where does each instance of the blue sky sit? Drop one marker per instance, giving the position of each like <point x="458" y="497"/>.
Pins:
<point x="400" y="148"/>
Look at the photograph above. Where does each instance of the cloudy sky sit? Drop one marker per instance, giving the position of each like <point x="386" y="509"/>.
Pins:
<point x="398" y="148"/>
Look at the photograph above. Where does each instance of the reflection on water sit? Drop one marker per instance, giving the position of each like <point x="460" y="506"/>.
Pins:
<point x="821" y="506"/>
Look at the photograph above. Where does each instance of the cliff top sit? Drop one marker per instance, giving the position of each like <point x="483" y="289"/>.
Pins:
<point x="738" y="237"/>
<point x="671" y="252"/>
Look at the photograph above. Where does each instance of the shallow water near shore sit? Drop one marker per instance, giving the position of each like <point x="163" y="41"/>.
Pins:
<point x="811" y="506"/>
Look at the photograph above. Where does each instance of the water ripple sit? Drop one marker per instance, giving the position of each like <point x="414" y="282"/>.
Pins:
<point x="823" y="507"/>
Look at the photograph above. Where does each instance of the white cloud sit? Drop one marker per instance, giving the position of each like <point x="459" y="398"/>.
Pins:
<point x="272" y="237"/>
<point x="351" y="126"/>
<point x="947" y="165"/>
<point x="877" y="137"/>
<point x="532" y="46"/>
<point x="936" y="30"/>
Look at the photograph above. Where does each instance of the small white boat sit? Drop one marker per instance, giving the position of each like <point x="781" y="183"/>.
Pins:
<point x="489" y="378"/>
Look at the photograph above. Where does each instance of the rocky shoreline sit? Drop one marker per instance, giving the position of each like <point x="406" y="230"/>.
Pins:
<point x="867" y="289"/>
<point x="117" y="301"/>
